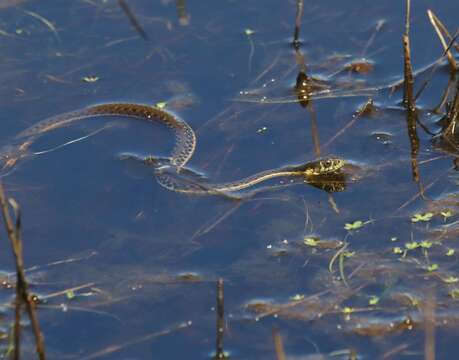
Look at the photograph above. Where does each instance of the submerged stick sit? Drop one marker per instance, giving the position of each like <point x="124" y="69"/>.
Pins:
<point x="429" y="326"/>
<point x="121" y="346"/>
<point x="132" y="19"/>
<point x="183" y="16"/>
<point x="219" y="352"/>
<point x="299" y="15"/>
<point x="407" y="67"/>
<point x="278" y="345"/>
<point x="14" y="235"/>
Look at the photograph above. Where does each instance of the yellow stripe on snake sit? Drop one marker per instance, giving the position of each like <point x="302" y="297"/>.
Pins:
<point x="168" y="173"/>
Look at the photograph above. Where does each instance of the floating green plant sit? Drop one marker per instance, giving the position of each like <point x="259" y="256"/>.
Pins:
<point x="422" y="217"/>
<point x="161" y="104"/>
<point x="90" y="79"/>
<point x="425" y="244"/>
<point x="310" y="241"/>
<point x="450" y="280"/>
<point x="432" y="267"/>
<point x="297" y="297"/>
<point x="374" y="300"/>
<point x="412" y="245"/>
<point x="354" y="226"/>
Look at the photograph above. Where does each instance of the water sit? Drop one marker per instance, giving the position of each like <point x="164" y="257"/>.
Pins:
<point x="147" y="259"/>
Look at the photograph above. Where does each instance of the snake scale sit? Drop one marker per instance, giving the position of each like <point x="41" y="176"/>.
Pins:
<point x="185" y="144"/>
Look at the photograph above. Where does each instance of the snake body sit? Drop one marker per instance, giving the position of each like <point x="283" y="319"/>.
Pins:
<point x="309" y="172"/>
<point x="185" y="138"/>
<point x="185" y="144"/>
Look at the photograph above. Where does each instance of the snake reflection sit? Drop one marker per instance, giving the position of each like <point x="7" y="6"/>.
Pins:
<point x="172" y="173"/>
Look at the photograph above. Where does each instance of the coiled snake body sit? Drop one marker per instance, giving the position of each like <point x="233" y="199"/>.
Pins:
<point x="168" y="175"/>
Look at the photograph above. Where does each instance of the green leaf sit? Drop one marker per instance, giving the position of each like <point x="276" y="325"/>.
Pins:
<point x="412" y="245"/>
<point x="90" y="79"/>
<point x="161" y="104"/>
<point x="249" y="32"/>
<point x="374" y="300"/>
<point x="425" y="244"/>
<point x="432" y="267"/>
<point x="451" y="279"/>
<point x="450" y="252"/>
<point x="354" y="226"/>
<point x="297" y="297"/>
<point x="348" y="310"/>
<point x="397" y="250"/>
<point x="422" y="217"/>
<point x="311" y="241"/>
<point x="262" y="130"/>
<point x="454" y="293"/>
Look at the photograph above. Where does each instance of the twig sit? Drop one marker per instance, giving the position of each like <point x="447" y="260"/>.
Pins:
<point x="183" y="16"/>
<point x="278" y="345"/>
<point x="434" y="68"/>
<point x="14" y="235"/>
<point x="409" y="101"/>
<point x="44" y="21"/>
<point x="299" y="15"/>
<point x="17" y="325"/>
<point x="220" y="353"/>
<point x="132" y="19"/>
<point x="446" y="32"/>
<point x="408" y="70"/>
<point x="438" y="26"/>
<point x="378" y="27"/>
<point x="429" y="326"/>
<point x="117" y="347"/>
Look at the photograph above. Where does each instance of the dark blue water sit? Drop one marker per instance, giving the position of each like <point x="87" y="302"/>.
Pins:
<point x="229" y="71"/>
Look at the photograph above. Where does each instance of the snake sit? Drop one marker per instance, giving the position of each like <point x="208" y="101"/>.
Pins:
<point x="172" y="174"/>
<point x="319" y="172"/>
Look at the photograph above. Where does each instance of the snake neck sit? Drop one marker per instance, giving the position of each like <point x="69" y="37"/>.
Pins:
<point x="179" y="179"/>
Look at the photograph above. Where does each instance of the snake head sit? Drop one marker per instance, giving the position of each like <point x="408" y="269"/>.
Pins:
<point x="322" y="167"/>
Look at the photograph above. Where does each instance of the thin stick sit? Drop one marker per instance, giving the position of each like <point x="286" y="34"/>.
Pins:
<point x="132" y="19"/>
<point x="14" y="236"/>
<point x="209" y="226"/>
<point x="409" y="102"/>
<point x="378" y="27"/>
<point x="44" y="21"/>
<point x="437" y="24"/>
<point x="445" y="31"/>
<point x="408" y="70"/>
<point x="278" y="345"/>
<point x="434" y="68"/>
<point x="183" y="16"/>
<point x="429" y="326"/>
<point x="453" y="117"/>
<point x="120" y="346"/>
<point x="299" y="15"/>
<point x="427" y="187"/>
<point x="219" y="353"/>
<point x="17" y="325"/>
